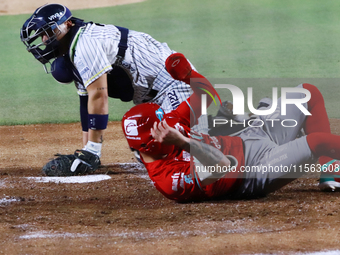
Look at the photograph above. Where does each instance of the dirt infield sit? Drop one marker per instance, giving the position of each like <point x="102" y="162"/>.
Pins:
<point x="126" y="215"/>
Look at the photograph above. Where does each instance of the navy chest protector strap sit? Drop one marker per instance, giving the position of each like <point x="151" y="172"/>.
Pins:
<point x="122" y="46"/>
<point x="119" y="82"/>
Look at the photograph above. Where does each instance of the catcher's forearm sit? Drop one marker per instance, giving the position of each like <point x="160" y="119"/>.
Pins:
<point x="98" y="109"/>
<point x="206" y="154"/>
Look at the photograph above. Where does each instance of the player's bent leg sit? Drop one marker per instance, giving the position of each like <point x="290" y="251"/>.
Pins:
<point x="327" y="146"/>
<point x="322" y="144"/>
<point x="284" y="128"/>
<point x="277" y="167"/>
<point x="286" y="163"/>
<point x="318" y="121"/>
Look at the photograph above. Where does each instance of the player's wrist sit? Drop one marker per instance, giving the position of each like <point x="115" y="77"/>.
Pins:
<point x="184" y="144"/>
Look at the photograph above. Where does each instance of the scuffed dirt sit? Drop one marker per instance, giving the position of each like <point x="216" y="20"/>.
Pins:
<point x="126" y="215"/>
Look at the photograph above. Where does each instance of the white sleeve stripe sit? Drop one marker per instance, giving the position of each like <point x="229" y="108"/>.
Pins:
<point x="90" y="80"/>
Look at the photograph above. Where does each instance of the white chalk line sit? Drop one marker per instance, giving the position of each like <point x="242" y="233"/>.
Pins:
<point x="71" y="179"/>
<point x="142" y="235"/>
<point x="8" y="200"/>
<point x="131" y="167"/>
<point x="135" y="234"/>
<point x="128" y="167"/>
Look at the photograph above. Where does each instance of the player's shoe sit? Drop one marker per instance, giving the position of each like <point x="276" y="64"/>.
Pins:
<point x="330" y="176"/>
<point x="225" y="111"/>
<point x="265" y="102"/>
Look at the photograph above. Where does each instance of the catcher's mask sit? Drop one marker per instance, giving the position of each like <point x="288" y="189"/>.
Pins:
<point x="137" y="123"/>
<point x="45" y="21"/>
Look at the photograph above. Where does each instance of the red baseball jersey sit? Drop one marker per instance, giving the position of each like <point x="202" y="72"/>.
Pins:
<point x="175" y="177"/>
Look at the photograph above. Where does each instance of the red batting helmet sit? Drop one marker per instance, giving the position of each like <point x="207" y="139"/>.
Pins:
<point x="137" y="123"/>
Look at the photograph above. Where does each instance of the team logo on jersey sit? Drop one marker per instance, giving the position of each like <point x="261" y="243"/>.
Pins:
<point x="160" y="114"/>
<point x="188" y="179"/>
<point x="174" y="101"/>
<point x="130" y="127"/>
<point x="186" y="156"/>
<point x="180" y="128"/>
<point x="215" y="141"/>
<point x="175" y="178"/>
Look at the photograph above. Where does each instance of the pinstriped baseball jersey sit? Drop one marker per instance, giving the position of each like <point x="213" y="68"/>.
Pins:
<point x="94" y="50"/>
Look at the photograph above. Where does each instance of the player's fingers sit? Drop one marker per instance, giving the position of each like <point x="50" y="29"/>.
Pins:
<point x="155" y="126"/>
<point x="160" y="126"/>
<point x="155" y="132"/>
<point x="155" y="135"/>
<point x="154" y="129"/>
<point x="165" y="125"/>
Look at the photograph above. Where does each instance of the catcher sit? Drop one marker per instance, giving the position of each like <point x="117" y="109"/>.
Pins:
<point x="103" y="61"/>
<point x="186" y="166"/>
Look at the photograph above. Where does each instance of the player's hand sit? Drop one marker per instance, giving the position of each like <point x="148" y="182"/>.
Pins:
<point x="163" y="133"/>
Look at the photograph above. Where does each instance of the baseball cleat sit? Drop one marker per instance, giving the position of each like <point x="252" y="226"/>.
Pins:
<point x="265" y="102"/>
<point x="330" y="176"/>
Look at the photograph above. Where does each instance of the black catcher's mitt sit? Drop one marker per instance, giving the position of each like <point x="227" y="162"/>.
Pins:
<point x="81" y="162"/>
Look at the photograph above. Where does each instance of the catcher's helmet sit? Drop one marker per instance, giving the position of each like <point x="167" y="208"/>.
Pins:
<point x="137" y="123"/>
<point x="44" y="22"/>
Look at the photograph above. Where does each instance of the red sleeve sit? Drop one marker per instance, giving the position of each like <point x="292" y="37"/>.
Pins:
<point x="182" y="113"/>
<point x="174" y="179"/>
<point x="185" y="113"/>
<point x="180" y="69"/>
<point x="200" y="85"/>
